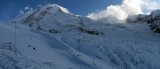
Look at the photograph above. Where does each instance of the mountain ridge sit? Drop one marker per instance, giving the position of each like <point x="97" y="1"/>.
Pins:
<point x="152" y="19"/>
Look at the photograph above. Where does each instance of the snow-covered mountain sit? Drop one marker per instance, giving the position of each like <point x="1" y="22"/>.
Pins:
<point x="153" y="20"/>
<point x="54" y="18"/>
<point x="51" y="37"/>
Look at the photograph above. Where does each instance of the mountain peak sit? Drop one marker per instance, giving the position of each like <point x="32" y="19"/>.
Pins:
<point x="55" y="7"/>
<point x="50" y="16"/>
<point x="47" y="13"/>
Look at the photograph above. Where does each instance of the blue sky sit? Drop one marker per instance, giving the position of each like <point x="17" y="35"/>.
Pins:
<point x="9" y="8"/>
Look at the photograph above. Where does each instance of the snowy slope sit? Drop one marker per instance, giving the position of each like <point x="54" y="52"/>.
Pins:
<point x="47" y="48"/>
<point x="52" y="35"/>
<point x="9" y="60"/>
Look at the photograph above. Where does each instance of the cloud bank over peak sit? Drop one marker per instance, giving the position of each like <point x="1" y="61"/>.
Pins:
<point x="128" y="7"/>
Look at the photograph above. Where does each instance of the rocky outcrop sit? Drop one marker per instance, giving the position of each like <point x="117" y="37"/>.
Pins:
<point x="153" y="20"/>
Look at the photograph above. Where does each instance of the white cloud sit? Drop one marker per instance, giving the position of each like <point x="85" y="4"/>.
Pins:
<point x="26" y="8"/>
<point x="149" y="5"/>
<point x="128" y="7"/>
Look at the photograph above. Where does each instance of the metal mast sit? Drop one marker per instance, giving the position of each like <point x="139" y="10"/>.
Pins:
<point x="15" y="33"/>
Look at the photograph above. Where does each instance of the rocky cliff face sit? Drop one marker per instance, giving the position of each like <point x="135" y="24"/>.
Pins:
<point x="153" y="20"/>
